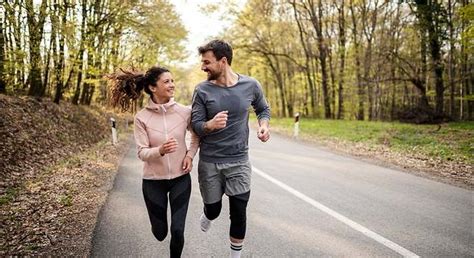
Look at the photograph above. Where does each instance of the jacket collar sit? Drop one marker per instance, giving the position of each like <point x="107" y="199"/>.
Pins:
<point x="160" y="107"/>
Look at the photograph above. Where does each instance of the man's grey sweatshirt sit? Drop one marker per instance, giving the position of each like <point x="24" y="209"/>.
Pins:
<point x="229" y="144"/>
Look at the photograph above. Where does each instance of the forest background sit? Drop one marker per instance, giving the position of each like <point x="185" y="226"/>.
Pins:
<point x="390" y="81"/>
<point x="355" y="59"/>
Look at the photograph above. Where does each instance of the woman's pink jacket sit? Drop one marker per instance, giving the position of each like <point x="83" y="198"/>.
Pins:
<point x="153" y="125"/>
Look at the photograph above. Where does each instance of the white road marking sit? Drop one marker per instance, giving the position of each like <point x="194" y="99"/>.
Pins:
<point x="369" y="233"/>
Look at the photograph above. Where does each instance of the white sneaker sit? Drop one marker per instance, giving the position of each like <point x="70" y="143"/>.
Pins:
<point x="205" y="223"/>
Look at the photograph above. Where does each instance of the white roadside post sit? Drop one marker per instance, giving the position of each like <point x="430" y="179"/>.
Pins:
<point x="114" y="131"/>
<point x="297" y="125"/>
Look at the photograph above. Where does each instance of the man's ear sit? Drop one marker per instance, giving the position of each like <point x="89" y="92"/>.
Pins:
<point x="224" y="60"/>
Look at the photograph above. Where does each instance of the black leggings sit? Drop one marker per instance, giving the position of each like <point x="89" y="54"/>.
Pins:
<point x="155" y="193"/>
<point x="237" y="210"/>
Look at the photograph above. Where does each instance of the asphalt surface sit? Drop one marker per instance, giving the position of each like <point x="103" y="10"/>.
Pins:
<point x="305" y="202"/>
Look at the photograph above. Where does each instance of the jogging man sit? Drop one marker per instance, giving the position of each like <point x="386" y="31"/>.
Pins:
<point x="219" y="116"/>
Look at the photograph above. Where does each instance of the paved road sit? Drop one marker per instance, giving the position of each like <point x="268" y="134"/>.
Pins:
<point x="305" y="202"/>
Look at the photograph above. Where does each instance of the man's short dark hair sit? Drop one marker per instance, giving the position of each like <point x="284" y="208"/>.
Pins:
<point x="220" y="49"/>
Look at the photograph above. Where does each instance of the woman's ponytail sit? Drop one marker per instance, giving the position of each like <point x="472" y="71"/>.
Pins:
<point x="126" y="87"/>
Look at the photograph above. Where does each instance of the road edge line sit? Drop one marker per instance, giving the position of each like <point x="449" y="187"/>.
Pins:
<point x="354" y="225"/>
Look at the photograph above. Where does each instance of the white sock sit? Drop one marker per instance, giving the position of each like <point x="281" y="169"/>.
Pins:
<point x="204" y="222"/>
<point x="235" y="249"/>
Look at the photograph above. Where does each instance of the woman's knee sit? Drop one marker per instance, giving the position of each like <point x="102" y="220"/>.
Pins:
<point x="177" y="234"/>
<point x="213" y="210"/>
<point x="159" y="233"/>
<point x="177" y="229"/>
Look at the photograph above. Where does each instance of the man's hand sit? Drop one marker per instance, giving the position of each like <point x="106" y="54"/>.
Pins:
<point x="187" y="164"/>
<point x="169" y="146"/>
<point x="218" y="122"/>
<point x="263" y="132"/>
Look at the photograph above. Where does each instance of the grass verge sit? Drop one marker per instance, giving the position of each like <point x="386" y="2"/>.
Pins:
<point x="441" y="152"/>
<point x="449" y="142"/>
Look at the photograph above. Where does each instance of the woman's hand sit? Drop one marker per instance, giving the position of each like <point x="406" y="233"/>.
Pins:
<point x="169" y="146"/>
<point x="187" y="164"/>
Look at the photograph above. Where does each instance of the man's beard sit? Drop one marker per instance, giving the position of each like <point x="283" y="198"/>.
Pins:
<point x="213" y="75"/>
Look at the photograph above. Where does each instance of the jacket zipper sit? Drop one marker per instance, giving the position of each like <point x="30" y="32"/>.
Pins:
<point x="166" y="138"/>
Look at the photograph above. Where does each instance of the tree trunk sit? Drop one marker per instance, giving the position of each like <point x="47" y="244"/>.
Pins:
<point x="467" y="77"/>
<point x="333" y="86"/>
<point x="322" y="57"/>
<point x="16" y="69"/>
<point x="52" y="45"/>
<point x="360" y="86"/>
<point x="89" y="96"/>
<point x="10" y="72"/>
<point x="369" y="34"/>
<point x="23" y="69"/>
<point x="468" y="82"/>
<point x="308" y="58"/>
<point x="80" y="56"/>
<point x="451" y="62"/>
<point x="281" y="87"/>
<point x="428" y="15"/>
<point x="279" y="80"/>
<point x="3" y="84"/>
<point x="290" y="90"/>
<point x="316" y="20"/>
<point x="393" y="105"/>
<point x="35" y="27"/>
<point x="60" y="58"/>
<point x="115" y="46"/>
<point x="394" y="46"/>
<point x="342" y="59"/>
<point x="420" y="81"/>
<point x="470" y="86"/>
<point x="84" y="93"/>
<point x="435" y="50"/>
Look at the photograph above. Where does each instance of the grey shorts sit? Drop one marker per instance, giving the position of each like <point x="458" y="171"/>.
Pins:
<point x="215" y="179"/>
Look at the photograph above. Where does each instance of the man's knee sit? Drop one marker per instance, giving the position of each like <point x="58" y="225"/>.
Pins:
<point x="238" y="207"/>
<point x="238" y="204"/>
<point x="213" y="210"/>
<point x="238" y="215"/>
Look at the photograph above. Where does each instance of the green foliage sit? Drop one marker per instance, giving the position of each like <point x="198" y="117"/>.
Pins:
<point x="156" y="38"/>
<point x="32" y="247"/>
<point x="71" y="162"/>
<point x="66" y="199"/>
<point x="467" y="16"/>
<point x="269" y="43"/>
<point x="116" y="34"/>
<point x="274" y="41"/>
<point x="469" y="97"/>
<point x="9" y="195"/>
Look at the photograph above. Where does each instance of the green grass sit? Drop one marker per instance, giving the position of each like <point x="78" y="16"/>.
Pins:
<point x="65" y="199"/>
<point x="9" y="195"/>
<point x="453" y="141"/>
<point x="32" y="247"/>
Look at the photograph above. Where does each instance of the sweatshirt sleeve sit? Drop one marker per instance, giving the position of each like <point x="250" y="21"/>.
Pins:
<point x="260" y="104"/>
<point x="194" y="145"/>
<point x="144" y="151"/>
<point x="198" y="114"/>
